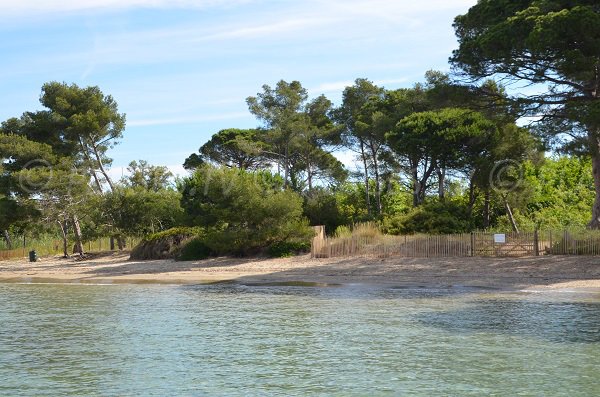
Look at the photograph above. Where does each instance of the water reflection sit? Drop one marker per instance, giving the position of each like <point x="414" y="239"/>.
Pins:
<point x="576" y="322"/>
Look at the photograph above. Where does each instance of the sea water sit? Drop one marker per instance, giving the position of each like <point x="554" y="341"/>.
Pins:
<point x="253" y="340"/>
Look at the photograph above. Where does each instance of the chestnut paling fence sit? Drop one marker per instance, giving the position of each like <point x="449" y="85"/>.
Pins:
<point x="486" y="244"/>
<point x="54" y="246"/>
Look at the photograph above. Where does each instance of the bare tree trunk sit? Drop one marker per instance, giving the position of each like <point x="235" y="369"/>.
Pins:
<point x="595" y="154"/>
<point x="93" y="172"/>
<point x="593" y="135"/>
<point x="7" y="239"/>
<point x="486" y="208"/>
<point x="63" y="229"/>
<point x="471" y="196"/>
<point x="441" y="181"/>
<point x="377" y="182"/>
<point x="416" y="187"/>
<point x="511" y="218"/>
<point x="77" y="231"/>
<point x="101" y="166"/>
<point x="364" y="159"/>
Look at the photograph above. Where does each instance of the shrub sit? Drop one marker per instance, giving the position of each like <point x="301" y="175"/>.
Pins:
<point x="445" y="217"/>
<point x="288" y="248"/>
<point x="244" y="213"/>
<point x="194" y="249"/>
<point x="164" y="245"/>
<point x="321" y="208"/>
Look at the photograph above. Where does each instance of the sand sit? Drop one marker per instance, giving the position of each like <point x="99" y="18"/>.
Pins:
<point x="546" y="272"/>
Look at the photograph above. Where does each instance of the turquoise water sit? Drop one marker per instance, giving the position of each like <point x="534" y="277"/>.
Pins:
<point x="236" y="340"/>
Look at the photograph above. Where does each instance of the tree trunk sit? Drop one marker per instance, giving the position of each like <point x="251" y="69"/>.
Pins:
<point x="77" y="231"/>
<point x="441" y="181"/>
<point x="286" y="165"/>
<point x="472" y="196"/>
<point x="93" y="172"/>
<point x="7" y="239"/>
<point x="511" y="218"/>
<point x="377" y="183"/>
<point x="486" y="208"/>
<point x="364" y="158"/>
<point x="416" y="187"/>
<point x="595" y="153"/>
<point x="101" y="166"/>
<point x="63" y="230"/>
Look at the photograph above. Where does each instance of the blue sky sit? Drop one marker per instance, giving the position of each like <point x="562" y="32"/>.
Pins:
<point x="181" y="69"/>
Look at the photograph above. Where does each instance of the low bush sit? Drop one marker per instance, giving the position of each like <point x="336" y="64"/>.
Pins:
<point x="164" y="245"/>
<point x="288" y="248"/>
<point x="194" y="249"/>
<point x="443" y="217"/>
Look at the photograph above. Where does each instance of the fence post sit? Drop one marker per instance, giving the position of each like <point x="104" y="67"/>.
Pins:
<point x="551" y="246"/>
<point x="536" y="247"/>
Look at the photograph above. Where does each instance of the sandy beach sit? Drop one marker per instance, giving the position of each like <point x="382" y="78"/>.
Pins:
<point x="564" y="272"/>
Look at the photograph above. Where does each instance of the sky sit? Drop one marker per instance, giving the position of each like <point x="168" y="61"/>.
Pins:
<point x="181" y="70"/>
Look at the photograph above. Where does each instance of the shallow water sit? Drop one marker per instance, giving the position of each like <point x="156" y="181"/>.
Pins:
<point x="241" y="340"/>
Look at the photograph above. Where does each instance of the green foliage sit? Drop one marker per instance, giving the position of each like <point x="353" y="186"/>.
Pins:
<point x="321" y="208"/>
<point x="560" y="193"/>
<point x="166" y="244"/>
<point x="149" y="177"/>
<point x="297" y="134"/>
<point x="551" y="44"/>
<point x="243" y="212"/>
<point x="434" y="217"/>
<point x="139" y="211"/>
<point x="194" y="249"/>
<point x="284" y="249"/>
<point x="235" y="148"/>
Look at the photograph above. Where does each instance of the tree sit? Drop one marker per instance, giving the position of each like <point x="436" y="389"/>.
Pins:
<point x="551" y="44"/>
<point x="280" y="110"/>
<point x="298" y="133"/>
<point x="359" y="137"/>
<point x="148" y="177"/>
<point x="426" y="141"/>
<point x="232" y="147"/>
<point x="87" y="119"/>
<point x="138" y="211"/>
<point x="35" y="177"/>
<point x="243" y="212"/>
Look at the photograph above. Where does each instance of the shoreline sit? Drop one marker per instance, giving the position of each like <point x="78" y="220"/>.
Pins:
<point x="578" y="273"/>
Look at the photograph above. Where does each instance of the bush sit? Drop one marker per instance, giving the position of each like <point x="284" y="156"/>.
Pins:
<point x="321" y="208"/>
<point x="244" y="213"/>
<point x="288" y="248"/>
<point x="164" y="245"/>
<point x="445" y="217"/>
<point x="194" y="249"/>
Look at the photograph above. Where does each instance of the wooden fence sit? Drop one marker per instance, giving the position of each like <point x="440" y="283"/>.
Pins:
<point x="582" y="242"/>
<point x="48" y="247"/>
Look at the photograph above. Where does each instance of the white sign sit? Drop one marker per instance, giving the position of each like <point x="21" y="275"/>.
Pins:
<point x="500" y="238"/>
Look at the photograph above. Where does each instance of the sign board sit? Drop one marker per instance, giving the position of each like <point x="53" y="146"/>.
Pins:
<point x="500" y="238"/>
